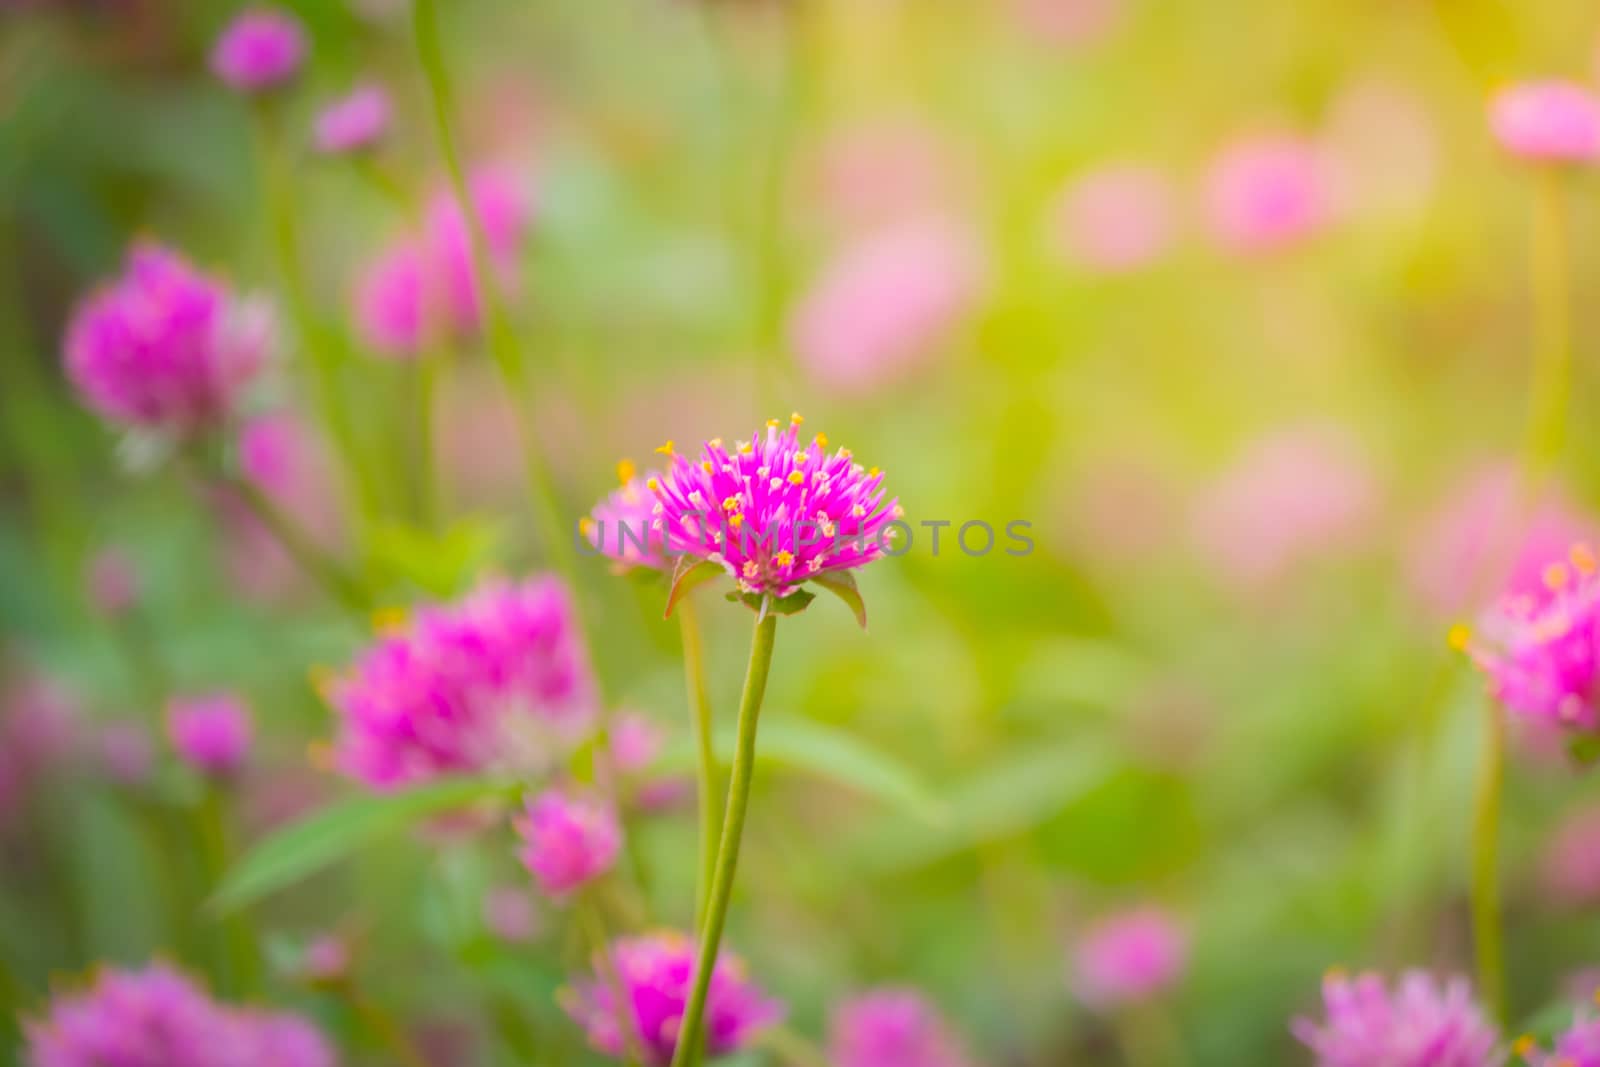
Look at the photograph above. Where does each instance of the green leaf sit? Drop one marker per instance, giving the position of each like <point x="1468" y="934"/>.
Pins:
<point x="1584" y="749"/>
<point x="305" y="847"/>
<point x="793" y="604"/>
<point x="686" y="575"/>
<point x="441" y="564"/>
<point x="828" y="753"/>
<point x="842" y="584"/>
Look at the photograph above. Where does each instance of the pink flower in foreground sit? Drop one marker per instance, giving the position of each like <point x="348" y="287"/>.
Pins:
<point x="211" y="733"/>
<point x="1577" y="1046"/>
<point x="774" y="512"/>
<point x="892" y="1028"/>
<point x="885" y="304"/>
<point x="1569" y="870"/>
<point x="260" y="49"/>
<point x="1417" y="1024"/>
<point x="623" y="527"/>
<point x="655" y="972"/>
<point x="1115" y="220"/>
<point x="1547" y="121"/>
<point x="1129" y="957"/>
<point x="164" y="347"/>
<point x="354" y="122"/>
<point x="113" y="582"/>
<point x="1266" y="193"/>
<point x="499" y="680"/>
<point x="568" y="840"/>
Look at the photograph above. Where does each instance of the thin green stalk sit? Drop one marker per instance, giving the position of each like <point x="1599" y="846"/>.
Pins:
<point x="1486" y="932"/>
<point x="241" y="967"/>
<point x="424" y="470"/>
<point x="687" y="1051"/>
<point x="327" y="572"/>
<point x="13" y="1002"/>
<point x="694" y="678"/>
<point x="1148" y="1038"/>
<point x="381" y="1025"/>
<point x="499" y="335"/>
<point x="519" y="1038"/>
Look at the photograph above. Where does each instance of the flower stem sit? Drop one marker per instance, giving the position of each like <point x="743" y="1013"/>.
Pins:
<point x="333" y="578"/>
<point x="694" y="677"/>
<point x="424" y="471"/>
<point x="687" y="1051"/>
<point x="499" y="335"/>
<point x="241" y="956"/>
<point x="1486" y="933"/>
<point x="1552" y="309"/>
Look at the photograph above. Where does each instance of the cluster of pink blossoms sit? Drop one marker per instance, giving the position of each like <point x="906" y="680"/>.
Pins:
<point x="1418" y="1023"/>
<point x="353" y="123"/>
<point x="892" y="1028"/>
<point x="261" y="49"/>
<point x="773" y="512"/>
<point x="655" y="972"/>
<point x="1129" y="957"/>
<point x="165" y="347"/>
<point x="492" y="682"/>
<point x="211" y="733"/>
<point x="568" y="839"/>
<point x="158" y="1017"/>
<point x="1547" y="121"/>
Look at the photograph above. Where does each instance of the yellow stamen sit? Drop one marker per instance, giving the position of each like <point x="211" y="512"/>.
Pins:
<point x="715" y="442"/>
<point x="795" y="418"/>
<point x="666" y="449"/>
<point x="730" y="504"/>
<point x="586" y="526"/>
<point x="1523" y="1045"/>
<point x="705" y="465"/>
<point x="747" y="447"/>
<point x="1459" y="636"/>
<point x="1582" y="557"/>
<point x="736" y="520"/>
<point x="654" y="485"/>
<point x="822" y="440"/>
<point x="784" y="558"/>
<point x="801" y="457"/>
<point x="772" y="424"/>
<point x="1555" y="576"/>
<point x="626" y="470"/>
<point x="796" y="477"/>
<point x="873" y="472"/>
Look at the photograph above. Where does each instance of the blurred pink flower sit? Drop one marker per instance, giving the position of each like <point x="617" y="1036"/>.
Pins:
<point x="164" y="347"/>
<point x="884" y="305"/>
<point x="1292" y="496"/>
<point x="1569" y="871"/>
<point x="1130" y="956"/>
<point x="1068" y="22"/>
<point x="1268" y="192"/>
<point x="211" y="733"/>
<point x="326" y="959"/>
<point x="283" y="458"/>
<point x="884" y="171"/>
<point x="623" y="526"/>
<point x="354" y="122"/>
<point x="127" y="754"/>
<point x="504" y="211"/>
<point x="508" y="914"/>
<point x="260" y="49"/>
<point x="1385" y="141"/>
<point x="892" y="1028"/>
<point x="568" y="840"/>
<point x="43" y="723"/>
<point x="1418" y="1024"/>
<point x="1547" y="121"/>
<point x="112" y="582"/>
<point x="1114" y="220"/>
<point x="392" y="308"/>
<point x="636" y="742"/>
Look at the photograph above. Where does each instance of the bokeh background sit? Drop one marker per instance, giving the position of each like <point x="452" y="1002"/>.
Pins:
<point x="1265" y="440"/>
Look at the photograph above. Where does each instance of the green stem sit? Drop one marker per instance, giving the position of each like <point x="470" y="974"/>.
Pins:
<point x="519" y="1038"/>
<point x="1486" y="932"/>
<point x="381" y="1025"/>
<point x="687" y="1051"/>
<point x="241" y="965"/>
<point x="499" y="335"/>
<point x="694" y="677"/>
<point x="333" y="578"/>
<point x="1552" y="308"/>
<point x="425" y="380"/>
<point x="1147" y="1037"/>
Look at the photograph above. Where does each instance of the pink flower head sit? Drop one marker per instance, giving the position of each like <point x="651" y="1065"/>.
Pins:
<point x="884" y="171"/>
<point x="259" y="50"/>
<point x="392" y="304"/>
<point x="491" y="682"/>
<point x="1266" y="193"/>
<point x="42" y="725"/>
<point x="164" y="347"/>
<point x="127" y="755"/>
<point x="354" y="122"/>
<point x="1570" y="868"/>
<point x="775" y="512"/>
<point x="271" y="1039"/>
<point x="1577" y="1046"/>
<point x="568" y="840"/>
<point x="113" y="582"/>
<point x="885" y="304"/>
<point x="892" y="1028"/>
<point x="1417" y="1024"/>
<point x="503" y="210"/>
<point x="622" y="526"/>
<point x="1547" y="121"/>
<point x="1541" y="649"/>
<point x="211" y="733"/>
<point x="1131" y="956"/>
<point x="655" y="972"/>
<point x="1068" y="23"/>
<point x="1115" y="220"/>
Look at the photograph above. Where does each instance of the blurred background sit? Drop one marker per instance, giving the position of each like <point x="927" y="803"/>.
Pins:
<point x="1229" y="302"/>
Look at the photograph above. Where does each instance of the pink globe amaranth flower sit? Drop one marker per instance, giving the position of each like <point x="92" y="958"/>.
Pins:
<point x="504" y="211"/>
<point x="1419" y="1023"/>
<point x="892" y="1028"/>
<point x="212" y="733"/>
<point x="164" y="347"/>
<point x="499" y="680"/>
<point x="1547" y="121"/>
<point x="1268" y="192"/>
<point x="1540" y="650"/>
<point x="885" y="304"/>
<point x="655" y="972"/>
<point x="568" y="840"/>
<point x="622" y="527"/>
<point x="1128" y="957"/>
<point x="1115" y="220"/>
<point x="112" y="581"/>
<point x="270" y="1039"/>
<point x="127" y="753"/>
<point x="259" y="50"/>
<point x="1577" y="1046"/>
<point x="392" y="303"/>
<point x="1569" y="870"/>
<point x="509" y="915"/>
<point x="774" y="512"/>
<point x="354" y="122"/>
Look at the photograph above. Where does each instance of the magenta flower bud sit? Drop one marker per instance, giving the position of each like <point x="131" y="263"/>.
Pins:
<point x="1418" y="1023"/>
<point x="113" y="583"/>
<point x="892" y="1028"/>
<point x="504" y="211"/>
<point x="568" y="840"/>
<point x="498" y="681"/>
<point x="127" y="754"/>
<point x="392" y="303"/>
<point x="261" y="49"/>
<point x="1130" y="957"/>
<point x="211" y="733"/>
<point x="1547" y="121"/>
<point x="1115" y="220"/>
<point x="1267" y="193"/>
<point x="655" y="972"/>
<point x="164" y="347"/>
<point x="353" y="123"/>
